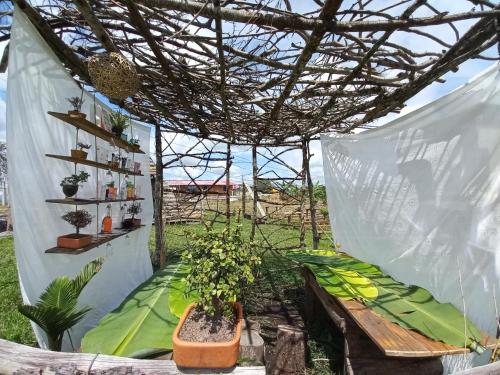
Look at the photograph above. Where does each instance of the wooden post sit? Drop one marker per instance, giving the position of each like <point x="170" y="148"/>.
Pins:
<point x="254" y="207"/>
<point x="312" y="201"/>
<point x="228" y="183"/>
<point x="160" y="251"/>
<point x="289" y="351"/>
<point x="243" y="198"/>
<point x="302" y="237"/>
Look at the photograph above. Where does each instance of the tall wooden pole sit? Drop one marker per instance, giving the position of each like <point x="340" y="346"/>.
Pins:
<point x="160" y="251"/>
<point x="312" y="200"/>
<point x="228" y="184"/>
<point x="302" y="238"/>
<point x="243" y="198"/>
<point x="254" y="203"/>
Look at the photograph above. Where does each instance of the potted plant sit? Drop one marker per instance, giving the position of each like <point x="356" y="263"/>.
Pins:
<point x="134" y="142"/>
<point x="56" y="309"/>
<point x="119" y="123"/>
<point x="131" y="222"/>
<point x="77" y="103"/>
<point x="79" y="219"/>
<point x="70" y="184"/>
<point x="79" y="153"/>
<point x="208" y="333"/>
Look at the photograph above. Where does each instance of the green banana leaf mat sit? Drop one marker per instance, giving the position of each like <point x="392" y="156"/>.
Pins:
<point x="143" y="324"/>
<point x="411" y="307"/>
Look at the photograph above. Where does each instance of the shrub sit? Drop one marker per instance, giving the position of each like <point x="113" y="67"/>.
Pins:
<point x="75" y="179"/>
<point x="79" y="219"/>
<point x="222" y="263"/>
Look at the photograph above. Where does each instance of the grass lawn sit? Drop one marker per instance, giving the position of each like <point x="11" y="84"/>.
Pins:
<point x="13" y="325"/>
<point x="278" y="289"/>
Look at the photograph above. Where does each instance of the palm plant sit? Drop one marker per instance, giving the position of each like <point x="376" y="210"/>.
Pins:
<point x="56" y="310"/>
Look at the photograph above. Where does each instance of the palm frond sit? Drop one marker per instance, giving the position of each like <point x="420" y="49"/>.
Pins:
<point x="86" y="274"/>
<point x="59" y="294"/>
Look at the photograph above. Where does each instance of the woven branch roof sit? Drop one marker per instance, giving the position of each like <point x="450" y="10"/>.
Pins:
<point x="269" y="72"/>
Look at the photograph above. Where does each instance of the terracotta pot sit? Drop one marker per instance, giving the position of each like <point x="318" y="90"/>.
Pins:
<point x="76" y="114"/>
<point x="207" y="354"/>
<point x="74" y="241"/>
<point x="130" y="223"/>
<point x="70" y="190"/>
<point x="79" y="154"/>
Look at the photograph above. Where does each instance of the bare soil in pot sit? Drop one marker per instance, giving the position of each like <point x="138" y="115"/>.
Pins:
<point x="199" y="327"/>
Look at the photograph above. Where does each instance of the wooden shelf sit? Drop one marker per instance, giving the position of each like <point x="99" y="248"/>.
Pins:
<point x="83" y="202"/>
<point x="96" y="241"/>
<point x="91" y="128"/>
<point x="93" y="164"/>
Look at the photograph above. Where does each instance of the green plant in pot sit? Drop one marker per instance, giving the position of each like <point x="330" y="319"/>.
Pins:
<point x="77" y="103"/>
<point x="133" y="210"/>
<point x="221" y="264"/>
<point x="56" y="310"/>
<point x="79" y="219"/>
<point x="119" y="123"/>
<point x="79" y="152"/>
<point x="70" y="184"/>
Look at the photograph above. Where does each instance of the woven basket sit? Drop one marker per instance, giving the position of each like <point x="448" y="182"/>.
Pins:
<point x="113" y="75"/>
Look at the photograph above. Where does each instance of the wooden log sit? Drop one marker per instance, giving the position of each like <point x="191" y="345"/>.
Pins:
<point x="491" y="369"/>
<point x="289" y="352"/>
<point x="21" y="359"/>
<point x="160" y="257"/>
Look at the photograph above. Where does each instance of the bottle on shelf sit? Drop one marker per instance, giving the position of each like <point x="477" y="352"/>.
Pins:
<point x="110" y="186"/>
<point x="107" y="221"/>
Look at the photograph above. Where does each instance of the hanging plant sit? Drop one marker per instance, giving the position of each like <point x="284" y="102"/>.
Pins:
<point x="113" y="75"/>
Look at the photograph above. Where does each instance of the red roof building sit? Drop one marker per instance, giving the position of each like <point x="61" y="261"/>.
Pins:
<point x="197" y="186"/>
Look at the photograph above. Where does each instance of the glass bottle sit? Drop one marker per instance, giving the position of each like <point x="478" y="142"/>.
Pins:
<point x="110" y="186"/>
<point x="107" y="221"/>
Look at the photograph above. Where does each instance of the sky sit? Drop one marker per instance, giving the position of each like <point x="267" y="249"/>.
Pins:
<point x="242" y="166"/>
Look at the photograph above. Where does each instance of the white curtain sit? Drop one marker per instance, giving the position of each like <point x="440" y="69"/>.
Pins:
<point x="38" y="83"/>
<point x="420" y="197"/>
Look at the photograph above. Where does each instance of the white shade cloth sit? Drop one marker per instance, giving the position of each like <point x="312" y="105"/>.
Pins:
<point x="420" y="197"/>
<point x="38" y="83"/>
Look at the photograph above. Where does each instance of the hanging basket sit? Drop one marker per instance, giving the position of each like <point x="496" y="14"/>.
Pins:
<point x="113" y="75"/>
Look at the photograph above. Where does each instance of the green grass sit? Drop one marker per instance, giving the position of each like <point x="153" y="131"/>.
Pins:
<point x="13" y="325"/>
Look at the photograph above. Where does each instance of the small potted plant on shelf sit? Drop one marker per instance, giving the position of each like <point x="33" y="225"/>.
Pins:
<point x="79" y="219"/>
<point x="70" y="184"/>
<point x="77" y="103"/>
<point x="208" y="334"/>
<point x="131" y="222"/>
<point x="79" y="153"/>
<point x="134" y="142"/>
<point x="119" y="123"/>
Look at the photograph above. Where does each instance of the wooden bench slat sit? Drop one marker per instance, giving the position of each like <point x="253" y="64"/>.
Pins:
<point x="392" y="339"/>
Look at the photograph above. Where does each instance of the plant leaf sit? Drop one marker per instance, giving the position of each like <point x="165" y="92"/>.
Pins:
<point x="142" y="323"/>
<point x="86" y="274"/>
<point x="415" y="308"/>
<point x="178" y="301"/>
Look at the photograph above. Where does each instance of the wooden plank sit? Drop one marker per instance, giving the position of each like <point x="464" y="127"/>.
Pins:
<point x="490" y="369"/>
<point x="21" y="359"/>
<point x="83" y="202"/>
<point x="93" y="163"/>
<point x="91" y="128"/>
<point x="97" y="240"/>
<point x="392" y="339"/>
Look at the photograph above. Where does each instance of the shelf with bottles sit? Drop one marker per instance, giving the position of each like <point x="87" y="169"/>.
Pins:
<point x="135" y="171"/>
<point x="107" y="192"/>
<point x="91" y="128"/>
<point x="96" y="241"/>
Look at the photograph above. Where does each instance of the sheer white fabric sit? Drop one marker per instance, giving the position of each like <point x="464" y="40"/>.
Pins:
<point x="38" y="83"/>
<point x="420" y="197"/>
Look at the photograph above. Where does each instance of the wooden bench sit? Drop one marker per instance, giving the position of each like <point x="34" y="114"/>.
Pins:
<point x="374" y="345"/>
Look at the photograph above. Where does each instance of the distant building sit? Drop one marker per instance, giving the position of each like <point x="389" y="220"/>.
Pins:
<point x="198" y="186"/>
